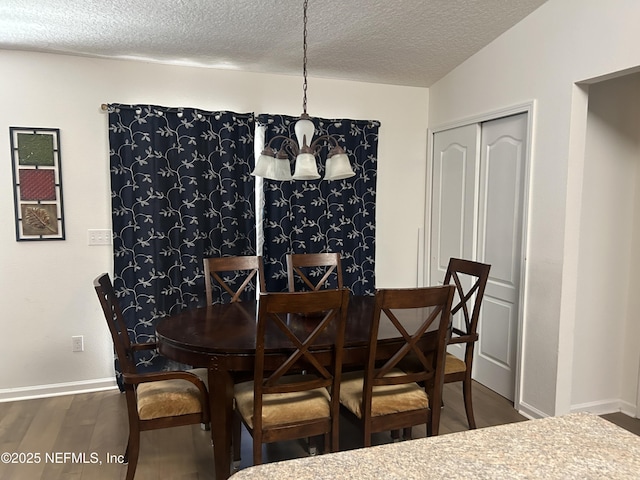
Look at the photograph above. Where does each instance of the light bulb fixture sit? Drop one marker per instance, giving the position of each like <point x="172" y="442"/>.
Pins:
<point x="276" y="166"/>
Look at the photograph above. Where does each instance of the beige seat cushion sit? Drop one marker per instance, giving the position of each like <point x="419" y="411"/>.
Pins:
<point x="386" y="399"/>
<point x="169" y="398"/>
<point x="454" y="365"/>
<point x="283" y="408"/>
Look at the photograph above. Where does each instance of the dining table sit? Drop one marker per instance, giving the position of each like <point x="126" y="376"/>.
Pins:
<point x="222" y="338"/>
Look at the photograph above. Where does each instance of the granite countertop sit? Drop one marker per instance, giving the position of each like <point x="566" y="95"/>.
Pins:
<point x="575" y="446"/>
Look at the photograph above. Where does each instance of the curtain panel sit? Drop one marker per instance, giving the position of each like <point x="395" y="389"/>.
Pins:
<point x="181" y="190"/>
<point x="317" y="216"/>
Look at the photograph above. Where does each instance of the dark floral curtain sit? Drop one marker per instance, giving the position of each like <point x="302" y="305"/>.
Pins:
<point x="181" y="190"/>
<point x="317" y="216"/>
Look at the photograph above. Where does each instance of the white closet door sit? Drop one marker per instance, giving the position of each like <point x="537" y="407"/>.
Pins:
<point x="501" y="194"/>
<point x="477" y="211"/>
<point x="454" y="204"/>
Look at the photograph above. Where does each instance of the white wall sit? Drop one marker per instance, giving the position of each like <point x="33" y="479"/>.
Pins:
<point x="606" y="351"/>
<point x="47" y="293"/>
<point x="540" y="59"/>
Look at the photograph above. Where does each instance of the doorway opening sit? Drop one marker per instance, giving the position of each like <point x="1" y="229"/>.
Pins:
<point x="606" y="351"/>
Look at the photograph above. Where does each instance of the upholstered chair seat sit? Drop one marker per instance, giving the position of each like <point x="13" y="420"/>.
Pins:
<point x="454" y="365"/>
<point x="284" y="408"/>
<point x="169" y="398"/>
<point x="387" y="399"/>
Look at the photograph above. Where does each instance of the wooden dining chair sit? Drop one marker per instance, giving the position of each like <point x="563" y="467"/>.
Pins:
<point x="241" y="270"/>
<point x="384" y="397"/>
<point x="313" y="271"/>
<point x="154" y="400"/>
<point x="281" y="403"/>
<point x="470" y="279"/>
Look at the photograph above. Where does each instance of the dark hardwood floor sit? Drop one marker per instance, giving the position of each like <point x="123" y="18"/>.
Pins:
<point x="628" y="423"/>
<point x="80" y="437"/>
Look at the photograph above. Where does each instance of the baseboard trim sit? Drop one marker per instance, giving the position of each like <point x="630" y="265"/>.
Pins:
<point x="530" y="412"/>
<point x="57" y="389"/>
<point x="606" y="406"/>
<point x="597" y="408"/>
<point x="629" y="409"/>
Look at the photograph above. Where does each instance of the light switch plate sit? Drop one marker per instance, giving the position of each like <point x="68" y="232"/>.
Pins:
<point x="99" y="237"/>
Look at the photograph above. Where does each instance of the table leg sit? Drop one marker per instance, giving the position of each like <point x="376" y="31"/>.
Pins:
<point x="221" y="404"/>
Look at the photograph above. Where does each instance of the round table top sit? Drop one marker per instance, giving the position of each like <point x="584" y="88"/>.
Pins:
<point x="227" y="333"/>
<point x="231" y="328"/>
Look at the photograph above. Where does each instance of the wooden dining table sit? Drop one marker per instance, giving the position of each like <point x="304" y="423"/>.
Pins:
<point x="222" y="338"/>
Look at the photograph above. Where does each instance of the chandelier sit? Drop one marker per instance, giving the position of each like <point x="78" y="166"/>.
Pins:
<point x="276" y="166"/>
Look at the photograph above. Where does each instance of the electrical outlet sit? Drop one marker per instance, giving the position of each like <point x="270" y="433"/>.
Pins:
<point x="77" y="343"/>
<point x="99" y="237"/>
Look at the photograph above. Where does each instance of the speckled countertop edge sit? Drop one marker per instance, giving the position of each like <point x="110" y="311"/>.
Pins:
<point x="575" y="446"/>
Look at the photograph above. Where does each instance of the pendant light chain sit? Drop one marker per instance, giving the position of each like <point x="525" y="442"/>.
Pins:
<point x="304" y="57"/>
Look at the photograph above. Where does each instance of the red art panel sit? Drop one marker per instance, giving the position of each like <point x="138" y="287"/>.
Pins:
<point x="37" y="184"/>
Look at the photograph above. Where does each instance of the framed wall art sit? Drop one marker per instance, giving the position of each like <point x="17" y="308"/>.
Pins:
<point x="37" y="183"/>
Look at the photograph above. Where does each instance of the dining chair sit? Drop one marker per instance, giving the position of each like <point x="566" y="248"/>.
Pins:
<point x="154" y="400"/>
<point x="313" y="271"/>
<point x="240" y="270"/>
<point x="470" y="279"/>
<point x="281" y="403"/>
<point x="385" y="398"/>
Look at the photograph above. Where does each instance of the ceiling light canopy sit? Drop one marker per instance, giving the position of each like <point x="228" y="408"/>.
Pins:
<point x="276" y="165"/>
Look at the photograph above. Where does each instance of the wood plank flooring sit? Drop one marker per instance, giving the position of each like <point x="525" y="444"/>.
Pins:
<point x="80" y="437"/>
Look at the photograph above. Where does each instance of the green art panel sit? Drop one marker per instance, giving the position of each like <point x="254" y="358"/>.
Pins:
<point x="35" y="149"/>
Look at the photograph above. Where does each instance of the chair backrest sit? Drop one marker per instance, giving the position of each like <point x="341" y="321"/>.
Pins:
<point x="306" y="320"/>
<point x="468" y="296"/>
<point x="242" y="270"/>
<point x="410" y="313"/>
<point x="314" y="270"/>
<point x="115" y="321"/>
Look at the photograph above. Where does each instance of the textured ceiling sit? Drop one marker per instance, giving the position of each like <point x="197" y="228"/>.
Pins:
<point x="400" y="42"/>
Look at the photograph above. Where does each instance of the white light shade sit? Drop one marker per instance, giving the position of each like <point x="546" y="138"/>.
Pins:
<point x="281" y="169"/>
<point x="338" y="167"/>
<point x="304" y="128"/>
<point x="263" y="165"/>
<point x="306" y="168"/>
